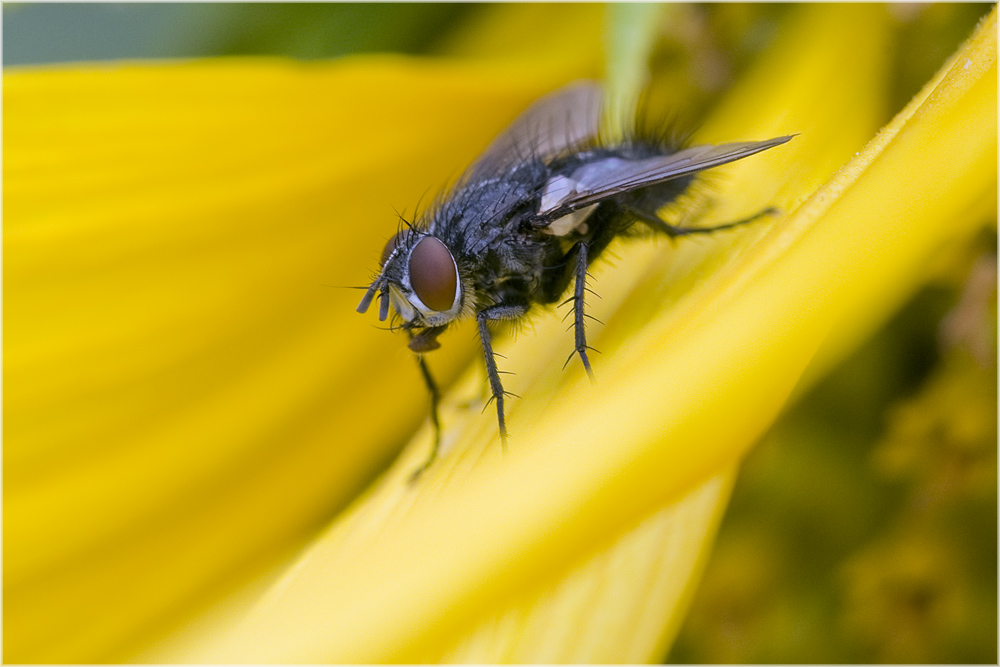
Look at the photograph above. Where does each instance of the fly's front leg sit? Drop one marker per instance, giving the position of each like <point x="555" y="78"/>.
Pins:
<point x="422" y="342"/>
<point x="483" y="318"/>
<point x="435" y="393"/>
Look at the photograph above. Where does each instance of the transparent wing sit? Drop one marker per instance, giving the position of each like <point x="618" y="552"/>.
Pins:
<point x="549" y="126"/>
<point x="598" y="180"/>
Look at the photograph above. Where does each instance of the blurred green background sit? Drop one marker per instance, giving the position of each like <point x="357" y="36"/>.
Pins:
<point x="863" y="528"/>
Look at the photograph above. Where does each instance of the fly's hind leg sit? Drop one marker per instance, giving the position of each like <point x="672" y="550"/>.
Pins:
<point x="579" y="325"/>
<point x="654" y="221"/>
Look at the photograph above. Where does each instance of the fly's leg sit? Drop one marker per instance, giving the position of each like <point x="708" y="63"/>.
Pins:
<point x="435" y="393"/>
<point x="579" y="290"/>
<point x="659" y="225"/>
<point x="483" y="318"/>
<point x="496" y="388"/>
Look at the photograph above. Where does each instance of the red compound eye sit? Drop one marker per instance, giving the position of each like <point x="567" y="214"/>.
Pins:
<point x="432" y="274"/>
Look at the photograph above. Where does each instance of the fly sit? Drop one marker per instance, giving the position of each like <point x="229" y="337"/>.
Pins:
<point x="525" y="222"/>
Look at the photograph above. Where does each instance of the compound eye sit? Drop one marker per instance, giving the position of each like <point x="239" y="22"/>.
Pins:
<point x="393" y="243"/>
<point x="432" y="274"/>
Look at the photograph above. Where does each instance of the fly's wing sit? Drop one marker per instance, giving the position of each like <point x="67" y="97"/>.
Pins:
<point x="596" y="181"/>
<point x="548" y="127"/>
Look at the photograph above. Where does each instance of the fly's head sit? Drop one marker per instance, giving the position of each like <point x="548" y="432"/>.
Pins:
<point x="421" y="279"/>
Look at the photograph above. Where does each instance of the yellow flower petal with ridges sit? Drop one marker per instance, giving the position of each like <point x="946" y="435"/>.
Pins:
<point x="618" y="604"/>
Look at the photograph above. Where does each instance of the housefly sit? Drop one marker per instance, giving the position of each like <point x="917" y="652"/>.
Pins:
<point x="525" y="221"/>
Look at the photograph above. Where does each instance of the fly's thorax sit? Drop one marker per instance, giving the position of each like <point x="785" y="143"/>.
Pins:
<point x="425" y="284"/>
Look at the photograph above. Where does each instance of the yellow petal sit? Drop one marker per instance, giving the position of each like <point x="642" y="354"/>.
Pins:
<point x="616" y="605"/>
